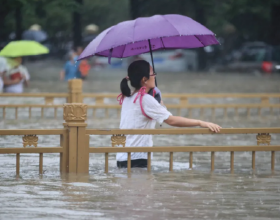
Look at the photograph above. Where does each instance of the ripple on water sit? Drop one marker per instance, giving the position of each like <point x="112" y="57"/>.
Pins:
<point x="182" y="194"/>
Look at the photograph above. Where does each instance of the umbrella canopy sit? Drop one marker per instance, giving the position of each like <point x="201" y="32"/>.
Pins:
<point x="36" y="35"/>
<point x="148" y="34"/>
<point x="23" y="48"/>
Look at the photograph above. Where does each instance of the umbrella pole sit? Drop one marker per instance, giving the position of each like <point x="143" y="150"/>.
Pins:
<point x="150" y="47"/>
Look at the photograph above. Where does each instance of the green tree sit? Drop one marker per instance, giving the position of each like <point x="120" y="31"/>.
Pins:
<point x="34" y="11"/>
<point x="104" y="13"/>
<point x="233" y="20"/>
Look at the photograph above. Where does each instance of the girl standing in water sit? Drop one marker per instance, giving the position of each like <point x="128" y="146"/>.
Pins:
<point x="142" y="111"/>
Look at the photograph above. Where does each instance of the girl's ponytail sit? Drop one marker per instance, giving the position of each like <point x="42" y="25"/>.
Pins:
<point x="125" y="88"/>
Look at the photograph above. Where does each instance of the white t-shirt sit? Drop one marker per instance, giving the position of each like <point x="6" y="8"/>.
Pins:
<point x="133" y="118"/>
<point x="3" y="68"/>
<point x="17" y="88"/>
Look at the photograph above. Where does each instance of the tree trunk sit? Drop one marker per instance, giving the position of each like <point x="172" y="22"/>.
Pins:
<point x="77" y="26"/>
<point x="4" y="11"/>
<point x="138" y="8"/>
<point x="182" y="7"/>
<point x="18" y="19"/>
<point x="275" y="24"/>
<point x="200" y="17"/>
<point x="134" y="9"/>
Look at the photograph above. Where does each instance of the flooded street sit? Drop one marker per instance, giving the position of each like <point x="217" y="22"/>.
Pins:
<point x="182" y="194"/>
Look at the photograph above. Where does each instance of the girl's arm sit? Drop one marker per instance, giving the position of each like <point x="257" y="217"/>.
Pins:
<point x="8" y="82"/>
<point x="26" y="82"/>
<point x="178" y="121"/>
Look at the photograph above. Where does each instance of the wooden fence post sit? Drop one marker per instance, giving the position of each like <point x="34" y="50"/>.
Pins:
<point x="77" y="151"/>
<point x="75" y="91"/>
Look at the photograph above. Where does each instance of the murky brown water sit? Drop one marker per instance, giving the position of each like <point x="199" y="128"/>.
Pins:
<point x="181" y="194"/>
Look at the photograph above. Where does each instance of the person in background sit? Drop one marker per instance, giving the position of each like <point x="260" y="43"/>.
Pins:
<point x="3" y="68"/>
<point x="70" y="68"/>
<point x="16" y="76"/>
<point x="83" y="66"/>
<point x="78" y="51"/>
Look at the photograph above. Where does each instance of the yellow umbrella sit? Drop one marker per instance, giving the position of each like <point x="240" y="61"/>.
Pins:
<point x="23" y="48"/>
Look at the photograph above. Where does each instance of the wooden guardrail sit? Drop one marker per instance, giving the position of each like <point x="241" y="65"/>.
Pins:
<point x="186" y="102"/>
<point x="118" y="138"/>
<point x="184" y="98"/>
<point x="212" y="110"/>
<point x="29" y="138"/>
<point x="74" y="147"/>
<point x="202" y="110"/>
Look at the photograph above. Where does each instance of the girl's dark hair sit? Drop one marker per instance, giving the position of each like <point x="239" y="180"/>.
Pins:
<point x="136" y="71"/>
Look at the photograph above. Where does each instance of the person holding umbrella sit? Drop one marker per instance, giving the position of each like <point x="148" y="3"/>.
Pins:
<point x="145" y="35"/>
<point x="3" y="68"/>
<point x="5" y="65"/>
<point x="17" y="75"/>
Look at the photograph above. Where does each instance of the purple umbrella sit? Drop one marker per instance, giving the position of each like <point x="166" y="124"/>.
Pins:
<point x="149" y="34"/>
<point x="146" y="34"/>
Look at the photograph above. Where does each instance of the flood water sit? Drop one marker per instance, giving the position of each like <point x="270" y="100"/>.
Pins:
<point x="182" y="194"/>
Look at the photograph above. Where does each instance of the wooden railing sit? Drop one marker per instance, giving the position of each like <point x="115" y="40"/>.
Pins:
<point x="203" y="110"/>
<point x="74" y="144"/>
<point x="30" y="138"/>
<point x="48" y="97"/>
<point x="186" y="104"/>
<point x="264" y="98"/>
<point x="118" y="138"/>
<point x="18" y="107"/>
<point x="182" y="98"/>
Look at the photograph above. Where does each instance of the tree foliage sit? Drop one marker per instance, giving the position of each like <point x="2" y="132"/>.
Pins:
<point x="244" y="19"/>
<point x="55" y="15"/>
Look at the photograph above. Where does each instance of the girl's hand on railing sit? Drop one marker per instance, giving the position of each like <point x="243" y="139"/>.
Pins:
<point x="211" y="126"/>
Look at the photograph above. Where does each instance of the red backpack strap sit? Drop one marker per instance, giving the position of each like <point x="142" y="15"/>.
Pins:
<point x="120" y="98"/>
<point x="142" y="92"/>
